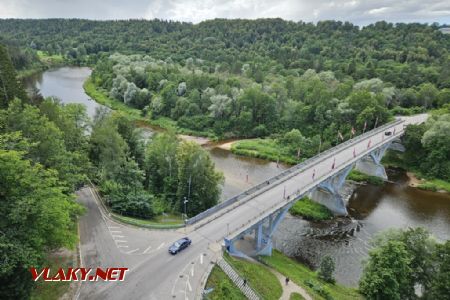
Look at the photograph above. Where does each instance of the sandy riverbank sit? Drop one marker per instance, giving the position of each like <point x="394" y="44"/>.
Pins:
<point x="413" y="181"/>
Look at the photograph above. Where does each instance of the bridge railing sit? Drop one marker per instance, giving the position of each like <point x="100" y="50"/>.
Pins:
<point x="290" y="171"/>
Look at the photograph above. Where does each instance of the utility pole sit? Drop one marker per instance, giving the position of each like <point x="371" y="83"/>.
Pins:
<point x="185" y="212"/>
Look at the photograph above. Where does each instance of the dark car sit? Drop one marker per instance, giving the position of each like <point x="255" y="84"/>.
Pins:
<point x="388" y="133"/>
<point x="179" y="245"/>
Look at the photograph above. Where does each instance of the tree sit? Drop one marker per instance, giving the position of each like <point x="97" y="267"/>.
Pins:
<point x="326" y="269"/>
<point x="197" y="179"/>
<point x="10" y="87"/>
<point x="36" y="215"/>
<point x="387" y="274"/>
<point x="439" y="287"/>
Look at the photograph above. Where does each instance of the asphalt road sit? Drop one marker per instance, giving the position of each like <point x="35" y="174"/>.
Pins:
<point x="154" y="273"/>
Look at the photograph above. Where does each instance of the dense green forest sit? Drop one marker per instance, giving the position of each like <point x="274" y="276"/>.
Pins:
<point x="48" y="150"/>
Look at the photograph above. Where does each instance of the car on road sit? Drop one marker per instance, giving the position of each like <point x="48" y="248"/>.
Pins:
<point x="179" y="245"/>
<point x="388" y="133"/>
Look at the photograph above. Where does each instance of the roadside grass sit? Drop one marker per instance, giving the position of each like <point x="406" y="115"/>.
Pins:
<point x="296" y="296"/>
<point x="161" y="221"/>
<point x="357" y="176"/>
<point x="265" y="149"/>
<point x="223" y="287"/>
<point x="310" y="210"/>
<point x="435" y="185"/>
<point x="259" y="277"/>
<point x="308" y="279"/>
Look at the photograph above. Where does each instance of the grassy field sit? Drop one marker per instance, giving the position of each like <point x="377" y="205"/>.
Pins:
<point x="265" y="149"/>
<point x="169" y="221"/>
<point x="223" y="287"/>
<point x="296" y="296"/>
<point x="259" y="277"/>
<point x="54" y="59"/>
<point x="308" y="279"/>
<point x="310" y="210"/>
<point x="361" y="177"/>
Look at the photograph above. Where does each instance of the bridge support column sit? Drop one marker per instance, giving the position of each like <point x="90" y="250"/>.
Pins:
<point x="371" y="163"/>
<point x="327" y="192"/>
<point x="264" y="233"/>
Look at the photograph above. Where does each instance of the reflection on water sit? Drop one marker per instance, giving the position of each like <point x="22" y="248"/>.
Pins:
<point x="240" y="172"/>
<point x="66" y="84"/>
<point x="372" y="209"/>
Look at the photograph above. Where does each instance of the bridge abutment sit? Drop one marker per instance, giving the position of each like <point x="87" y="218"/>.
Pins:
<point x="327" y="193"/>
<point x="371" y="163"/>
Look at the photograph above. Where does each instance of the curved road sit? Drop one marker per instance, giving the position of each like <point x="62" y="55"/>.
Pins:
<point x="154" y="273"/>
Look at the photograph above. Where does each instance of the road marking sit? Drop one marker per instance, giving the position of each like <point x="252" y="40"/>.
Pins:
<point x="122" y="246"/>
<point x="116" y="231"/>
<point x="132" y="251"/>
<point x="160" y="246"/>
<point x="192" y="271"/>
<point x="117" y="236"/>
<point x="201" y="259"/>
<point x="113" y="227"/>
<point x="146" y="250"/>
<point x="120" y="241"/>
<point x="188" y="284"/>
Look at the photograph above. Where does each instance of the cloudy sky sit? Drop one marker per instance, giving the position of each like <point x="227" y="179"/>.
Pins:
<point x="361" y="12"/>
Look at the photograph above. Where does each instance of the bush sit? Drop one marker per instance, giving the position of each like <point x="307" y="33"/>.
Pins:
<point x="310" y="210"/>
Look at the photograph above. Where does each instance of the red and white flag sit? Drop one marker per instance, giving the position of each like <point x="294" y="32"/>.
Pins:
<point x="368" y="144"/>
<point x="298" y="153"/>
<point x="354" y="152"/>
<point x="376" y="122"/>
<point x="314" y="174"/>
<point x="353" y="131"/>
<point x="365" y="126"/>
<point x="340" y="136"/>
<point x="334" y="163"/>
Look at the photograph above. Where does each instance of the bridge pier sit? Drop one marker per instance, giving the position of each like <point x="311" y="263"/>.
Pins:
<point x="371" y="163"/>
<point x="327" y="192"/>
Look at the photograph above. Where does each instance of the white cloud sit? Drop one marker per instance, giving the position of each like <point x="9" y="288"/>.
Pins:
<point x="356" y="11"/>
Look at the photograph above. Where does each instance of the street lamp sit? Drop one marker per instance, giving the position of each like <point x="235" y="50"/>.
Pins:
<point x="184" y="202"/>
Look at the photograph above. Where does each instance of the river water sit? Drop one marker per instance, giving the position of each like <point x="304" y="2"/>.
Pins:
<point x="372" y="209"/>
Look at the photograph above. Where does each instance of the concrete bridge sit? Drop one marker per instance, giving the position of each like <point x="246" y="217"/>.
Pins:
<point x="155" y="274"/>
<point x="259" y="210"/>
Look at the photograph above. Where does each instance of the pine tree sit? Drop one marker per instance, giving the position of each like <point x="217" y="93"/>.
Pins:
<point x="10" y="87"/>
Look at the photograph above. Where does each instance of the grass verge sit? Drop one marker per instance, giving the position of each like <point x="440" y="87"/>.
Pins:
<point x="296" y="296"/>
<point x="159" y="222"/>
<point x="310" y="210"/>
<point x="259" y="277"/>
<point x="265" y="149"/>
<point x="308" y="279"/>
<point x="223" y="287"/>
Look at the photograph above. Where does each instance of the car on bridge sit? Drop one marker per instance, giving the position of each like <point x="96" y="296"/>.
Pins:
<point x="179" y="245"/>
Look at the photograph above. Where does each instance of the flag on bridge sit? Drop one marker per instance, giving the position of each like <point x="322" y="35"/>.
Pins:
<point x="334" y="163"/>
<point x="354" y="152"/>
<point x="368" y="144"/>
<point x="314" y="174"/>
<point x="340" y="136"/>
<point x="353" y="131"/>
<point x="298" y="153"/>
<point x="376" y="122"/>
<point x="365" y="126"/>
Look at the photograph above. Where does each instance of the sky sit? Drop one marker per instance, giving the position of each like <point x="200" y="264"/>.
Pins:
<point x="360" y="12"/>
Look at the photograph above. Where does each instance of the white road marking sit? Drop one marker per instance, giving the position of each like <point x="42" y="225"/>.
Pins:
<point x="160" y="246"/>
<point x="118" y="236"/>
<point x="188" y="284"/>
<point x="201" y="259"/>
<point x="112" y="227"/>
<point x="192" y="271"/>
<point x="122" y="246"/>
<point x="116" y="231"/>
<point x="120" y="241"/>
<point x="132" y="251"/>
<point x="146" y="250"/>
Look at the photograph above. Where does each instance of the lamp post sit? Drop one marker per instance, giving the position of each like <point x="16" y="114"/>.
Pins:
<point x="184" y="202"/>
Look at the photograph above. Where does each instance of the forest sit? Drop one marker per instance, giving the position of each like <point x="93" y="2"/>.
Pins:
<point x="48" y="150"/>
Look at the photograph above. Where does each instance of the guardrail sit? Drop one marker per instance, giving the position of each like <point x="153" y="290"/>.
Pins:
<point x="288" y="172"/>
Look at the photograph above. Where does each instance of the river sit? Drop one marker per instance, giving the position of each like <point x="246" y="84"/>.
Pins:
<point x="371" y="208"/>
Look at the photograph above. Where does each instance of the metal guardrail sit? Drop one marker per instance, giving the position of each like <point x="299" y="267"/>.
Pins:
<point x="291" y="171"/>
